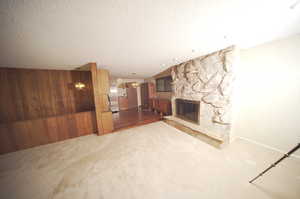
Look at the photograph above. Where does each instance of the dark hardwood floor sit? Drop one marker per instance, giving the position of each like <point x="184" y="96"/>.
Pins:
<point x="133" y="117"/>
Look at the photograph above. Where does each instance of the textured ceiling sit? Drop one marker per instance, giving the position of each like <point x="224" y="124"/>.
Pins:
<point x="137" y="36"/>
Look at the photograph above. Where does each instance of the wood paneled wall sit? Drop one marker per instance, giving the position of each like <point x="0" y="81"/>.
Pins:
<point x="42" y="106"/>
<point x="29" y="133"/>
<point x="31" y="94"/>
<point x="100" y="78"/>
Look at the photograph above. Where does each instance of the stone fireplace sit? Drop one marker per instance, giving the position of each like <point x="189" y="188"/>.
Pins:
<point x="188" y="110"/>
<point x="206" y="84"/>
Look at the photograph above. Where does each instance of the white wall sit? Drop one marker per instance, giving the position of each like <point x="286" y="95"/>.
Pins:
<point x="267" y="94"/>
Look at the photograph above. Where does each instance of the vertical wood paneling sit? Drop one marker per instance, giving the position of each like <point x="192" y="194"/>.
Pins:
<point x="107" y="122"/>
<point x="72" y="126"/>
<point x="94" y="121"/>
<point x="6" y="96"/>
<point x="62" y="122"/>
<point x="29" y="133"/>
<point x="42" y="106"/>
<point x="84" y="123"/>
<point x="53" y="129"/>
<point x="7" y="144"/>
<point x="32" y="94"/>
<point x="103" y="81"/>
<point x="15" y="91"/>
<point x="145" y="95"/>
<point x="29" y="94"/>
<point x="20" y="134"/>
<point x="38" y="132"/>
<point x="100" y="78"/>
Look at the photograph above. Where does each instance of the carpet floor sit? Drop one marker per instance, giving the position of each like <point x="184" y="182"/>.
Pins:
<point x="150" y="161"/>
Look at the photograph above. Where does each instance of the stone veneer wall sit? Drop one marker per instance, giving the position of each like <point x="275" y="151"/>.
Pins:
<point x="207" y="79"/>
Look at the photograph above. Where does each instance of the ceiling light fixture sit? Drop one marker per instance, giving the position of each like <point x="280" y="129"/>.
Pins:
<point x="135" y="84"/>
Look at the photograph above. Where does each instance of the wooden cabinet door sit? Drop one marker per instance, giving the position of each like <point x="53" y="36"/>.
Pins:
<point x="151" y="104"/>
<point x="145" y="95"/>
<point x="152" y="93"/>
<point x="156" y="104"/>
<point x="165" y="106"/>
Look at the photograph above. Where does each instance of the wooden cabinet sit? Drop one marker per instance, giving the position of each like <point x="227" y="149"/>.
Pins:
<point x="144" y="96"/>
<point x="151" y="90"/>
<point x="165" y="106"/>
<point x="161" y="105"/>
<point x="147" y="92"/>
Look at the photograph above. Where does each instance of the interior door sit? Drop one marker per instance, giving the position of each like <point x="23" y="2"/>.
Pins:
<point x="132" y="97"/>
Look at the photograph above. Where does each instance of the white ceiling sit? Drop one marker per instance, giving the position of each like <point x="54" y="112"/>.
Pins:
<point x="137" y="36"/>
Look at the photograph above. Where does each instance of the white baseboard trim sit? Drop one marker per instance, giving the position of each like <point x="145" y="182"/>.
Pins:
<point x="267" y="146"/>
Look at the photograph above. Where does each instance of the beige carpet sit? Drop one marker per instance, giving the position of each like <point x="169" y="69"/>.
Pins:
<point x="151" y="161"/>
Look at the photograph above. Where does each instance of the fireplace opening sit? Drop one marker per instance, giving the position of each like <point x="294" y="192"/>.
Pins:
<point x="188" y="110"/>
